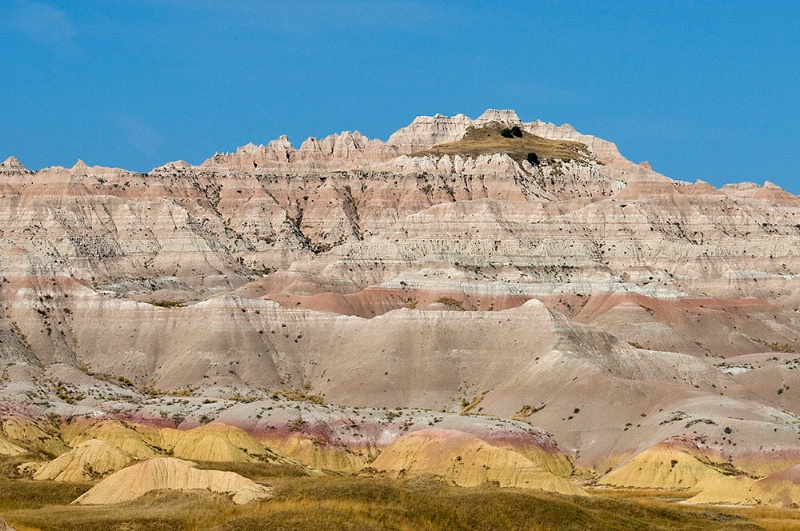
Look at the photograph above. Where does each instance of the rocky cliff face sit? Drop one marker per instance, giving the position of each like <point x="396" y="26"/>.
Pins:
<point x="589" y="296"/>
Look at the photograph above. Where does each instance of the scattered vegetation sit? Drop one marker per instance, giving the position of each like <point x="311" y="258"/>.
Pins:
<point x="495" y="138"/>
<point x="468" y="405"/>
<point x="526" y="411"/>
<point x="297" y="424"/>
<point x="512" y="132"/>
<point x="781" y="347"/>
<point x="168" y="304"/>
<point x="238" y="397"/>
<point x="451" y="302"/>
<point x="299" y="396"/>
<point x="68" y="393"/>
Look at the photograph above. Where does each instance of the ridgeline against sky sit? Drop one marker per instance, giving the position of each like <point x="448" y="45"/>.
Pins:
<point x="701" y="90"/>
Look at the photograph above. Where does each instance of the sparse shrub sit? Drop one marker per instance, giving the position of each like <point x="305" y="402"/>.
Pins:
<point x="297" y="424"/>
<point x="506" y="133"/>
<point x="299" y="396"/>
<point x="533" y="159"/>
<point x="516" y="131"/>
<point x="781" y="347"/>
<point x="449" y="301"/>
<point x="167" y="304"/>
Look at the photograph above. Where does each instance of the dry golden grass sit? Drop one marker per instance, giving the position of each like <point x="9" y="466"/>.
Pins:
<point x="331" y="502"/>
<point x="488" y="140"/>
<point x="258" y="472"/>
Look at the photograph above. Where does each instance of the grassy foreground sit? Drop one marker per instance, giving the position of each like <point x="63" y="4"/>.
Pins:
<point x="350" y="503"/>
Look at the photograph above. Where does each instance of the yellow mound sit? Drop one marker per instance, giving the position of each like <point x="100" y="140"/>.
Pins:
<point x="467" y="461"/>
<point x="662" y="466"/>
<point x="11" y="449"/>
<point x="172" y="474"/>
<point x="556" y="463"/>
<point x="137" y="441"/>
<point x="88" y="461"/>
<point x="728" y="490"/>
<point x="316" y="455"/>
<point x="25" y="433"/>
<point x="214" y="442"/>
<point x="781" y="488"/>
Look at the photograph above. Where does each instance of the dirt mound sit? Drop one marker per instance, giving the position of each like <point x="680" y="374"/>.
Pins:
<point x="88" y="461"/>
<point x="11" y="449"/>
<point x="663" y="466"/>
<point x="729" y="490"/>
<point x="316" y="454"/>
<point x="781" y="488"/>
<point x="25" y="433"/>
<point x="137" y="441"/>
<point x="467" y="461"/>
<point x="171" y="474"/>
<point x="214" y="442"/>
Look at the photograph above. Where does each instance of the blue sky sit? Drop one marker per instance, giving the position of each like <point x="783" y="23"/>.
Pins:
<point x="703" y="90"/>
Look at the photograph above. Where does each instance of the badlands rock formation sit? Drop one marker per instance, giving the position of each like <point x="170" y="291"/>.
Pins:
<point x="170" y="474"/>
<point x="446" y="275"/>
<point x="88" y="461"/>
<point x="468" y="461"/>
<point x="781" y="488"/>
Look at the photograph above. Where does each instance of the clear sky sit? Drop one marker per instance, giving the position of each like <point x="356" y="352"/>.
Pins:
<point x="703" y="90"/>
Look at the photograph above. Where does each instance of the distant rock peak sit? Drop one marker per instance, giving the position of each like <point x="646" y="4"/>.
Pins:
<point x="503" y="116"/>
<point x="12" y="163"/>
<point x="349" y="151"/>
<point x="80" y="167"/>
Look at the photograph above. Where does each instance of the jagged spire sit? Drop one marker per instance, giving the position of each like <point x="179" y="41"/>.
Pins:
<point x="12" y="163"/>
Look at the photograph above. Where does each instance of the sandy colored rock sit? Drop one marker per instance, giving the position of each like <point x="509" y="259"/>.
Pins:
<point x="316" y="454"/>
<point x="10" y="449"/>
<point x="5" y="526"/>
<point x="88" y="461"/>
<point x="467" y="461"/>
<point x="214" y="442"/>
<point x="780" y="489"/>
<point x="140" y="442"/>
<point x="589" y="296"/>
<point x="29" y="468"/>
<point x="663" y="466"/>
<point x="170" y="474"/>
<point x="733" y="490"/>
<point x="23" y="432"/>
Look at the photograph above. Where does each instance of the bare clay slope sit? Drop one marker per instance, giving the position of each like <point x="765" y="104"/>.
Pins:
<point x="585" y="294"/>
